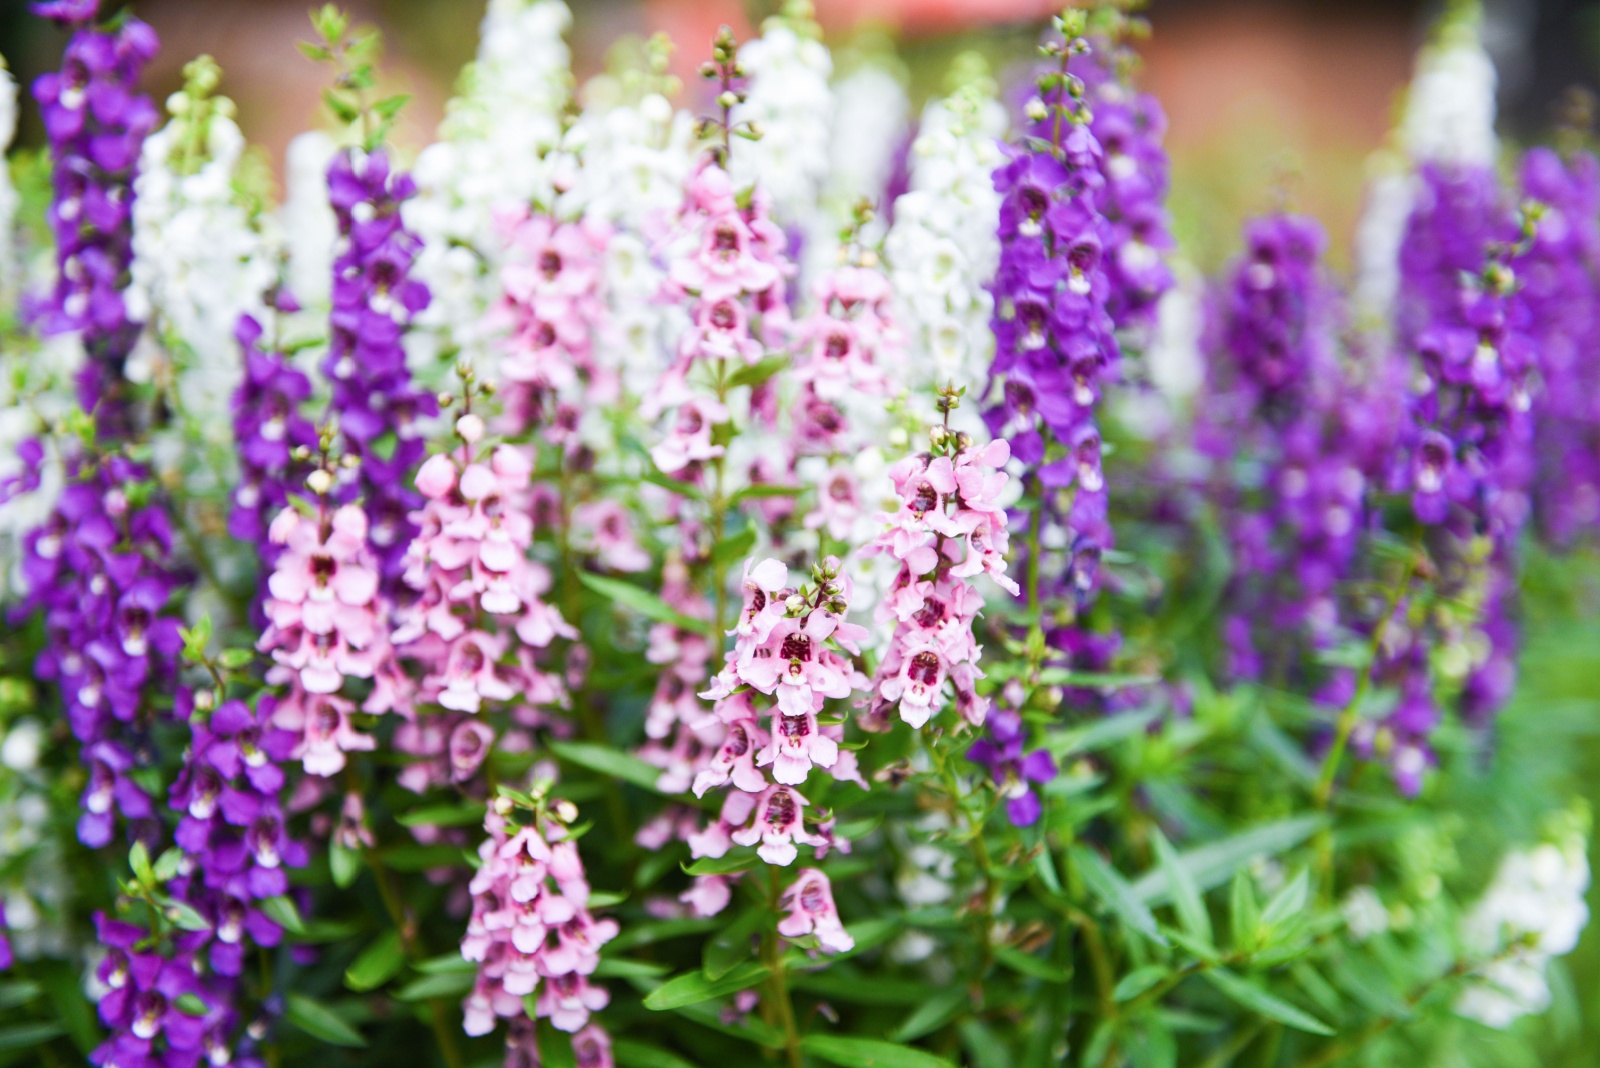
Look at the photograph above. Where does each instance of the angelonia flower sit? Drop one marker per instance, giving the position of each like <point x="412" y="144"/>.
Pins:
<point x="374" y="299"/>
<point x="199" y="260"/>
<point x="476" y="616"/>
<point x="947" y="529"/>
<point x="810" y="911"/>
<point x="326" y="623"/>
<point x="1532" y="913"/>
<point x="141" y="1006"/>
<point x="552" y="306"/>
<point x="232" y="824"/>
<point x="496" y="153"/>
<point x="99" y="571"/>
<point x="1561" y="287"/>
<point x="790" y="103"/>
<point x="306" y="220"/>
<point x="1014" y="771"/>
<point x="942" y="248"/>
<point x="1294" y="500"/>
<point x="867" y="132"/>
<point x="531" y="932"/>
<point x="1129" y="125"/>
<point x="269" y="425"/>
<point x="96" y="122"/>
<point x="1055" y="346"/>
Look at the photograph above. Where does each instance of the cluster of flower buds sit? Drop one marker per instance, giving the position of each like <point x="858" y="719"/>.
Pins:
<point x="531" y="932"/>
<point x="947" y="530"/>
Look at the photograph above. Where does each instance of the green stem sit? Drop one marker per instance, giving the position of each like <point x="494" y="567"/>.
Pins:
<point x="777" y="981"/>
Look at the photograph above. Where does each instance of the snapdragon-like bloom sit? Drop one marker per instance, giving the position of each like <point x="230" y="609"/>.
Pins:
<point x="99" y="571"/>
<point x="1055" y="346"/>
<point x="1291" y="474"/>
<point x="1532" y="913"/>
<point x="96" y="122"/>
<point x="199" y="260"/>
<point x="1015" y="772"/>
<point x="531" y="932"/>
<point x="269" y="423"/>
<point x="1561" y="284"/>
<point x="942" y="249"/>
<point x="374" y="299"/>
<point x="947" y="530"/>
<point x="477" y="615"/>
<point x="792" y="105"/>
<point x="326" y="623"/>
<point x="809" y="901"/>
<point x="495" y="153"/>
<point x="140" y="1007"/>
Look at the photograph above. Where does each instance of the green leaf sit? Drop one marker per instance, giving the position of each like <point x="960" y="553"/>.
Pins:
<point x="234" y="659"/>
<point x="281" y="911"/>
<point x="342" y="109"/>
<point x="440" y="985"/>
<point x="756" y="373"/>
<point x="695" y="987"/>
<point x="1188" y="904"/>
<point x="1138" y="981"/>
<point x="1098" y="735"/>
<point x="932" y="1014"/>
<point x="723" y="865"/>
<point x="30" y="1035"/>
<point x="18" y="993"/>
<point x="1044" y="866"/>
<point x="167" y="865"/>
<point x="445" y="963"/>
<point x="613" y="968"/>
<point x="645" y="603"/>
<point x="605" y="899"/>
<point x="390" y="106"/>
<point x="1259" y="1001"/>
<point x="319" y="1021"/>
<point x="442" y="816"/>
<point x="1244" y="915"/>
<point x="191" y="1005"/>
<point x="1289" y="902"/>
<point x="344" y="864"/>
<point x="766" y="489"/>
<point x="1113" y="891"/>
<point x="734" y="547"/>
<point x="1028" y="964"/>
<point x="1213" y="863"/>
<point x="139" y="862"/>
<point x="631" y="1054"/>
<point x="731" y="946"/>
<point x="609" y="762"/>
<point x="868" y="1053"/>
<point x="377" y="964"/>
<point x="184" y="915"/>
<point x="835" y="985"/>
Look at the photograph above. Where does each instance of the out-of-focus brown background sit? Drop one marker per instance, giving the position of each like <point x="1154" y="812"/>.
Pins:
<point x="1267" y="98"/>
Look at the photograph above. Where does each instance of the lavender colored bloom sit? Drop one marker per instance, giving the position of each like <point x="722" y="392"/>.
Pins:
<point x="374" y="300"/>
<point x="1055" y="345"/>
<point x="1014" y="772"/>
<point x="96" y="123"/>
<point x="1291" y="485"/>
<point x="268" y="424"/>
<point x="98" y="571"/>
<point x="160" y="1012"/>
<point x="1561" y="284"/>
<point x="1130" y="125"/>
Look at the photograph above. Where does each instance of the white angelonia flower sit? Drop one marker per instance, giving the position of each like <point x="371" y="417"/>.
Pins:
<point x="8" y="192"/>
<point x="37" y="389"/>
<point x="199" y="262"/>
<point x="306" y="217"/>
<point x="497" y="152"/>
<point x="1533" y="911"/>
<point x="942" y="249"/>
<point x="1449" y="119"/>
<point x="1365" y="914"/>
<point x="867" y="129"/>
<point x="790" y="101"/>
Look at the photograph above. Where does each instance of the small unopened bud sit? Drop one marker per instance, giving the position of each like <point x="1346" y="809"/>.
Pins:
<point x="205" y="700"/>
<point x="300" y="453"/>
<point x="470" y="427"/>
<point x="708" y="69"/>
<point x="319" y="481"/>
<point x="1036" y="110"/>
<point x="795" y="603"/>
<point x="349" y="461"/>
<point x="566" y="811"/>
<point x="446" y="399"/>
<point x="727" y="98"/>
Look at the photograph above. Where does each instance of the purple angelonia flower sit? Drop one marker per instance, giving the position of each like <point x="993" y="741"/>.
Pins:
<point x="1015" y="773"/>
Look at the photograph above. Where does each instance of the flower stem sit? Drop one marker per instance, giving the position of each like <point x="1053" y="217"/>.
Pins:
<point x="777" y="982"/>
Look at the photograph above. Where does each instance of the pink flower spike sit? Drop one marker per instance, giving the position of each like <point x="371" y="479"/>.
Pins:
<point x="809" y="900"/>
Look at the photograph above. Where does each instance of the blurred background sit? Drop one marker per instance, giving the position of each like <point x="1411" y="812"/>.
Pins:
<point x="1267" y="99"/>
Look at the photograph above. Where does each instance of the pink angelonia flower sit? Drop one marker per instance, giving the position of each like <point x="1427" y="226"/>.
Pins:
<point x="840" y="508"/>
<point x="779" y="823"/>
<point x="796" y="745"/>
<point x="765" y="588"/>
<point x="470" y="743"/>
<point x="690" y="439"/>
<point x="735" y="761"/>
<point x="809" y="900"/>
<point x="591" y="1048"/>
<point x="322" y="724"/>
<point x="605" y="529"/>
<point x="530" y="931"/>
<point x="708" y="895"/>
<point x="717" y="838"/>
<point x="471" y="673"/>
